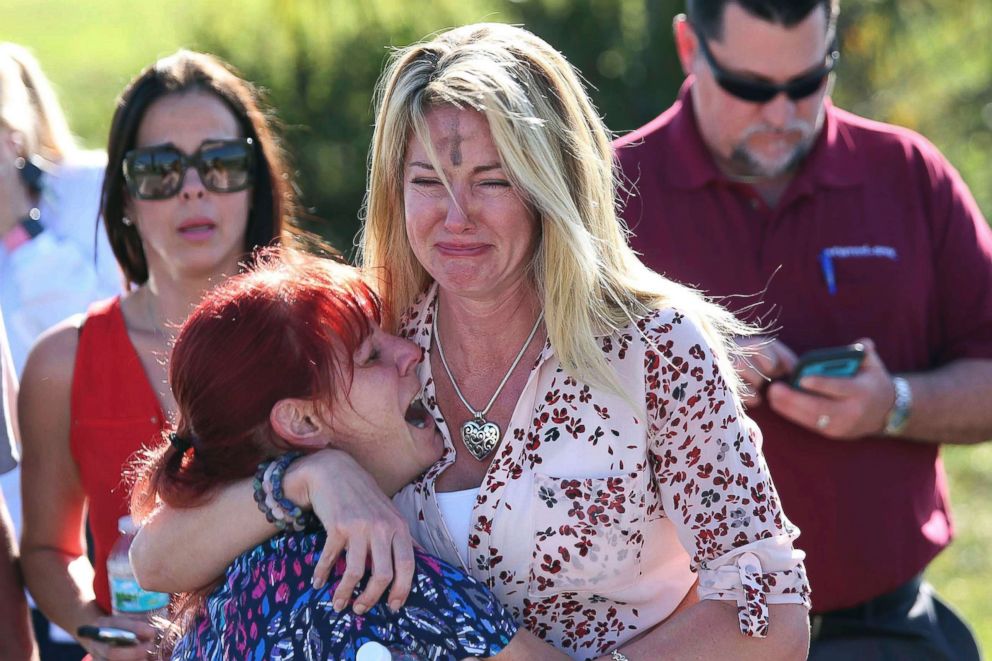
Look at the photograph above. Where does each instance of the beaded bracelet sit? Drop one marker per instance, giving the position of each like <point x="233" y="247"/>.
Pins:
<point x="279" y="510"/>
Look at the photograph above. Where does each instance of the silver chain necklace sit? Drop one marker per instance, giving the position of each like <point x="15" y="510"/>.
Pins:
<point x="152" y="319"/>
<point x="479" y="435"/>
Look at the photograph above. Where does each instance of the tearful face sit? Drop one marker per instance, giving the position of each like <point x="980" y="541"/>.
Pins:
<point x="476" y="236"/>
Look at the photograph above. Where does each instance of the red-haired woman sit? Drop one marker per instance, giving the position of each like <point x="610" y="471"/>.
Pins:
<point x="194" y="183"/>
<point x="289" y="358"/>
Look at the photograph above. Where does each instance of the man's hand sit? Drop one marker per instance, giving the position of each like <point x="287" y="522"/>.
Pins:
<point x="841" y="408"/>
<point x="764" y="359"/>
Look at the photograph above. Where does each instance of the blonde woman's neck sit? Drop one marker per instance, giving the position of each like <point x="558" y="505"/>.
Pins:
<point x="477" y="328"/>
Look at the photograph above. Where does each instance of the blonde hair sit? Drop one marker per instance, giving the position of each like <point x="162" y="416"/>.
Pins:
<point x="556" y="150"/>
<point x="29" y="105"/>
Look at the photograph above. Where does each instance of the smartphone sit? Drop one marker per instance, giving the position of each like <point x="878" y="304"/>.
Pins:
<point x="110" y="635"/>
<point x="837" y="362"/>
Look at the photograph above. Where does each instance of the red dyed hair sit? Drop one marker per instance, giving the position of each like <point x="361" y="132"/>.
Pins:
<point x="278" y="330"/>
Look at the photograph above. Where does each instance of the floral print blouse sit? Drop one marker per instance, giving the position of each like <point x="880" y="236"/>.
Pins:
<point x="594" y="519"/>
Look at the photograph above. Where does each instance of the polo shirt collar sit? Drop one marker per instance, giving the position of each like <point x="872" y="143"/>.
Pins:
<point x="833" y="161"/>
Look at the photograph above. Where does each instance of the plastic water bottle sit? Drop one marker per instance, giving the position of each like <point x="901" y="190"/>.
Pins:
<point x="373" y="651"/>
<point x="126" y="596"/>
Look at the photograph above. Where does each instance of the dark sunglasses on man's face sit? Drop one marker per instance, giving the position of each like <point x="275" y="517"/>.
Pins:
<point x="758" y="91"/>
<point x="157" y="173"/>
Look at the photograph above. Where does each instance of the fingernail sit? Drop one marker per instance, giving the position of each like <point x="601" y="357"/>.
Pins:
<point x="394" y="605"/>
<point x="317" y="582"/>
<point x="359" y="608"/>
<point x="339" y="605"/>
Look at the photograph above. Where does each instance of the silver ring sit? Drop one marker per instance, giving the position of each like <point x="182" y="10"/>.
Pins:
<point x="823" y="422"/>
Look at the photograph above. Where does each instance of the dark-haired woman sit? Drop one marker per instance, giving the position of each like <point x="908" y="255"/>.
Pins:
<point x="194" y="182"/>
<point x="304" y="332"/>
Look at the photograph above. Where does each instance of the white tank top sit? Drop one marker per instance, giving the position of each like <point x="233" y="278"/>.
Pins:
<point x="456" y="510"/>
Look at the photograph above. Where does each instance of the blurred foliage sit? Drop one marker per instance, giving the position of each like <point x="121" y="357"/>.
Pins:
<point x="924" y="64"/>
<point x="91" y="49"/>
<point x="320" y="61"/>
<point x="910" y="62"/>
<point x="919" y="63"/>
<point x="962" y="574"/>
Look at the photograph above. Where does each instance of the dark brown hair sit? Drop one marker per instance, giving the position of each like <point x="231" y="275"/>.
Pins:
<point x="706" y="16"/>
<point x="273" y="203"/>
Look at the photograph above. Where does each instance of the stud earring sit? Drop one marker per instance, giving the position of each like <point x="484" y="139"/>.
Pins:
<point x="127" y="221"/>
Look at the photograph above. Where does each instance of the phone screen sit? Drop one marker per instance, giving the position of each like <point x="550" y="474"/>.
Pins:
<point x="836" y="362"/>
<point x="110" y="635"/>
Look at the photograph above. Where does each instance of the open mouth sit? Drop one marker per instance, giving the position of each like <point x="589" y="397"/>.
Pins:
<point x="197" y="228"/>
<point x="417" y="414"/>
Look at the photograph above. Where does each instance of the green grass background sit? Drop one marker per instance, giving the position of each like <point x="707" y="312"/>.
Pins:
<point x="963" y="573"/>
<point x="90" y="49"/>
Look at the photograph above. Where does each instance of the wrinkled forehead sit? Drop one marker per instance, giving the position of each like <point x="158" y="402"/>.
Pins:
<point x="752" y="46"/>
<point x="186" y="119"/>
<point x="451" y="133"/>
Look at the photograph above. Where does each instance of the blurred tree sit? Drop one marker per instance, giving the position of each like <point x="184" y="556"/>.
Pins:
<point x="319" y="61"/>
<point x="624" y="50"/>
<point x="907" y="62"/>
<point x="925" y="65"/>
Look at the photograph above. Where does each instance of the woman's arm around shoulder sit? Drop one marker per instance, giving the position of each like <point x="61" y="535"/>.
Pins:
<point x="355" y="512"/>
<point x="215" y="533"/>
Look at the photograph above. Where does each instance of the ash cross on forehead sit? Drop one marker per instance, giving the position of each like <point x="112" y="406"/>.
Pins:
<point x="455" y="139"/>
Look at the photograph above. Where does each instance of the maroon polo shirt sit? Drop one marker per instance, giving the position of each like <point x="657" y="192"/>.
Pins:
<point x="877" y="236"/>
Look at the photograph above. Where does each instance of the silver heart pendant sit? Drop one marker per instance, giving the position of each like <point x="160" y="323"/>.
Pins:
<point x="480" y="437"/>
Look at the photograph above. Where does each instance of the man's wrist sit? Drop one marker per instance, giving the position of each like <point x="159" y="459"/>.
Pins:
<point x="898" y="416"/>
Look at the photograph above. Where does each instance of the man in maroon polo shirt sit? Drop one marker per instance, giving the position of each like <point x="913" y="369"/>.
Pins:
<point x="829" y="229"/>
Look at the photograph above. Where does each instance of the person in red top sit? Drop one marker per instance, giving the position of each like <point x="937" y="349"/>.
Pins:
<point x="829" y="229"/>
<point x="195" y="181"/>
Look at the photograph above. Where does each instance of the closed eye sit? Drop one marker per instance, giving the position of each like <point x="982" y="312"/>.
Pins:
<point x="366" y="354"/>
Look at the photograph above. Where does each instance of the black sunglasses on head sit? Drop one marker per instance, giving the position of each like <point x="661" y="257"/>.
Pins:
<point x="157" y="173"/>
<point x="758" y="91"/>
